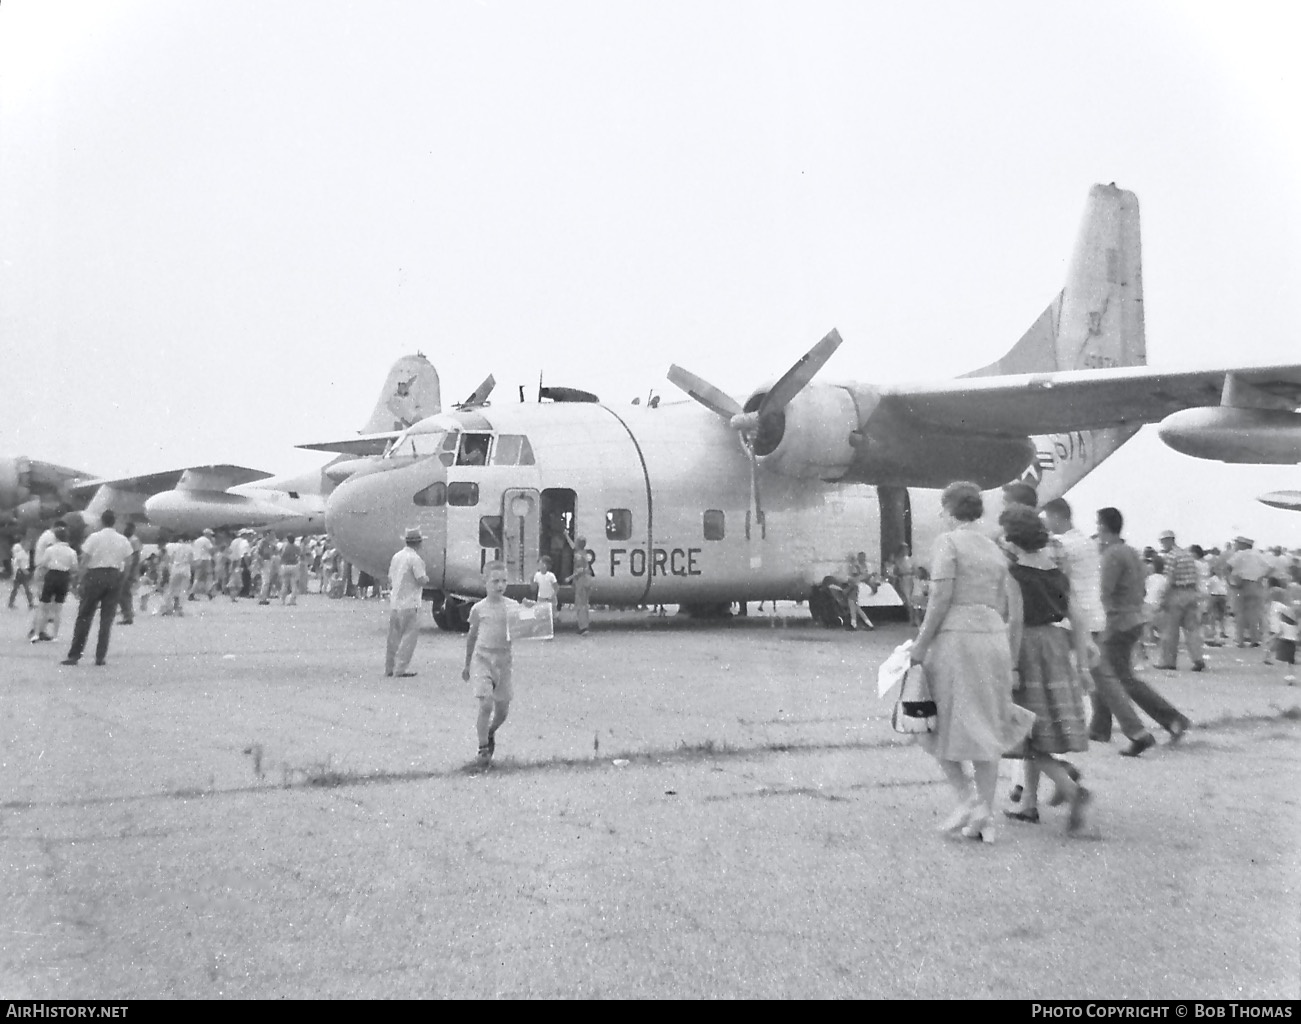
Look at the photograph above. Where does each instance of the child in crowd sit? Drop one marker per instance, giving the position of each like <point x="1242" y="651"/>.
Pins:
<point x="921" y="594"/>
<point x="488" y="658"/>
<point x="1153" y="597"/>
<point x="544" y="583"/>
<point x="1217" y="607"/>
<point x="1282" y="621"/>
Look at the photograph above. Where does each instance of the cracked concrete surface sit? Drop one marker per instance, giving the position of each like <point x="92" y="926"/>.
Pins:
<point x="768" y="837"/>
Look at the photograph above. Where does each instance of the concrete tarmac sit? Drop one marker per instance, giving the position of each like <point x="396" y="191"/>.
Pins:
<point x="241" y="805"/>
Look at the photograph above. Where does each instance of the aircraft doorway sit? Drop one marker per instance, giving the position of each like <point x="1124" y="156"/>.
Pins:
<point x="556" y="529"/>
<point x="896" y="524"/>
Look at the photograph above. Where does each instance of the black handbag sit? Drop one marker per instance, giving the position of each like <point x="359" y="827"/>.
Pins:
<point x="914" y="711"/>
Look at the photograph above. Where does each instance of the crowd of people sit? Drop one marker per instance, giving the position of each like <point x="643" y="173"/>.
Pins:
<point x="1028" y="643"/>
<point x="113" y="570"/>
<point x="1039" y="618"/>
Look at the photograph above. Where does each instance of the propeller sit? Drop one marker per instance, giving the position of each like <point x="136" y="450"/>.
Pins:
<point x="480" y="394"/>
<point x="761" y="427"/>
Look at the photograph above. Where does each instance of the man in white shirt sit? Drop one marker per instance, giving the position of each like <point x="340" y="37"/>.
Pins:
<point x="201" y="569"/>
<point x="407" y="578"/>
<point x="180" y="554"/>
<point x="1083" y="566"/>
<point x="1248" y="575"/>
<point x="104" y="555"/>
<point x="235" y="554"/>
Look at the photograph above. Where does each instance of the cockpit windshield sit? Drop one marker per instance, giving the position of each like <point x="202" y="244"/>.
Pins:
<point x="415" y="444"/>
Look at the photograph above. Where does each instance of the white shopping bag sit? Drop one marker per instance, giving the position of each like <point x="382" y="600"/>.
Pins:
<point x="531" y="622"/>
<point x="893" y="669"/>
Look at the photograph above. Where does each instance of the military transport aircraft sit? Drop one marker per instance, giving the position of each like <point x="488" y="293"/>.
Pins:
<point x="226" y="497"/>
<point x="720" y="500"/>
<point x="33" y="493"/>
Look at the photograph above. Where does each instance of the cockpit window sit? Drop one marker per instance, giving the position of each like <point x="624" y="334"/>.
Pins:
<point x="415" y="445"/>
<point x="506" y="452"/>
<point x="450" y="440"/>
<point x="474" y="449"/>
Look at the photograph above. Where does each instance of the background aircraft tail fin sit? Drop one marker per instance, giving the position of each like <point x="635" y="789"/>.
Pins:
<point x="1096" y="321"/>
<point x="410" y="393"/>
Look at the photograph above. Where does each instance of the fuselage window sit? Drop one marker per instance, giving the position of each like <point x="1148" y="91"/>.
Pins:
<point x="432" y="496"/>
<point x="713" y="524"/>
<point x="525" y="452"/>
<point x="463" y="493"/>
<point x="490" y="532"/>
<point x="506" y="451"/>
<point x="474" y="450"/>
<point x="618" y="524"/>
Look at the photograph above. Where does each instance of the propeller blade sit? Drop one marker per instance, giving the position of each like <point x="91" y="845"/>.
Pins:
<point x="481" y="393"/>
<point x="792" y="382"/>
<point x="705" y="393"/>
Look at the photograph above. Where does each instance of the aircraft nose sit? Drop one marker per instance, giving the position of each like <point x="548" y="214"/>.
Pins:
<point x="368" y="513"/>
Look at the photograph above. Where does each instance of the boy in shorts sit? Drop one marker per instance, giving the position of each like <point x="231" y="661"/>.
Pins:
<point x="488" y="658"/>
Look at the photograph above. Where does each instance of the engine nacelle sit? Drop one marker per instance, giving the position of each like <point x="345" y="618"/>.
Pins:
<point x="340" y="471"/>
<point x="809" y="439"/>
<point x="1228" y="434"/>
<point x="15" y="477"/>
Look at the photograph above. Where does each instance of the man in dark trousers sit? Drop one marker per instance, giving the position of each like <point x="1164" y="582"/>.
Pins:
<point x="1122" y="600"/>
<point x="104" y="555"/>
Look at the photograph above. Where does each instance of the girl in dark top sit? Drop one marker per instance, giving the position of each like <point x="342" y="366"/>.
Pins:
<point x="1046" y="682"/>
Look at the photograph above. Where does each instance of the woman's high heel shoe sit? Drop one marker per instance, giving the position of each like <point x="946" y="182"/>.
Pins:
<point x="981" y="825"/>
<point x="959" y="816"/>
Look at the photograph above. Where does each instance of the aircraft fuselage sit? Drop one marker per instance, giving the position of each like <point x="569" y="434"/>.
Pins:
<point x="663" y="497"/>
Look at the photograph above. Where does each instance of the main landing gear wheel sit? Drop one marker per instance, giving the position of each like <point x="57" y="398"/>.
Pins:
<point x="453" y="615"/>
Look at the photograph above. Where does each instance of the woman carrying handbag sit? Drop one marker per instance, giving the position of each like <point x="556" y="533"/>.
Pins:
<point x="963" y="645"/>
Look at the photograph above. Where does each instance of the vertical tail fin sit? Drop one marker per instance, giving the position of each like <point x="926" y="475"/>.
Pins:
<point x="1096" y="321"/>
<point x="410" y="393"/>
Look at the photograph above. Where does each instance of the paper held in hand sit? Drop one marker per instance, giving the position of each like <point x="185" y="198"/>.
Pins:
<point x="894" y="668"/>
<point x="531" y="622"/>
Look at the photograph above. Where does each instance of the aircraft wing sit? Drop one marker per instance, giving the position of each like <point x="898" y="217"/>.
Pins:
<point x="1050" y="403"/>
<point x="191" y="478"/>
<point x="361" y="444"/>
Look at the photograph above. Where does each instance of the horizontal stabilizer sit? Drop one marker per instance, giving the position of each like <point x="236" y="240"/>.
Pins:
<point x="360" y="444"/>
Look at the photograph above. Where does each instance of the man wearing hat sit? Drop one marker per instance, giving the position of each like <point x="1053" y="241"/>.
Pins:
<point x="1181" y="607"/>
<point x="1248" y="571"/>
<point x="203" y="557"/>
<point x="406" y="578"/>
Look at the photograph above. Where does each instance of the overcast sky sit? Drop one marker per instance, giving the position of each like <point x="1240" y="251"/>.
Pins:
<point x="221" y="221"/>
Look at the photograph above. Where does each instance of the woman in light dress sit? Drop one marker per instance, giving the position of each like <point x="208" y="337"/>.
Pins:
<point x="964" y="645"/>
